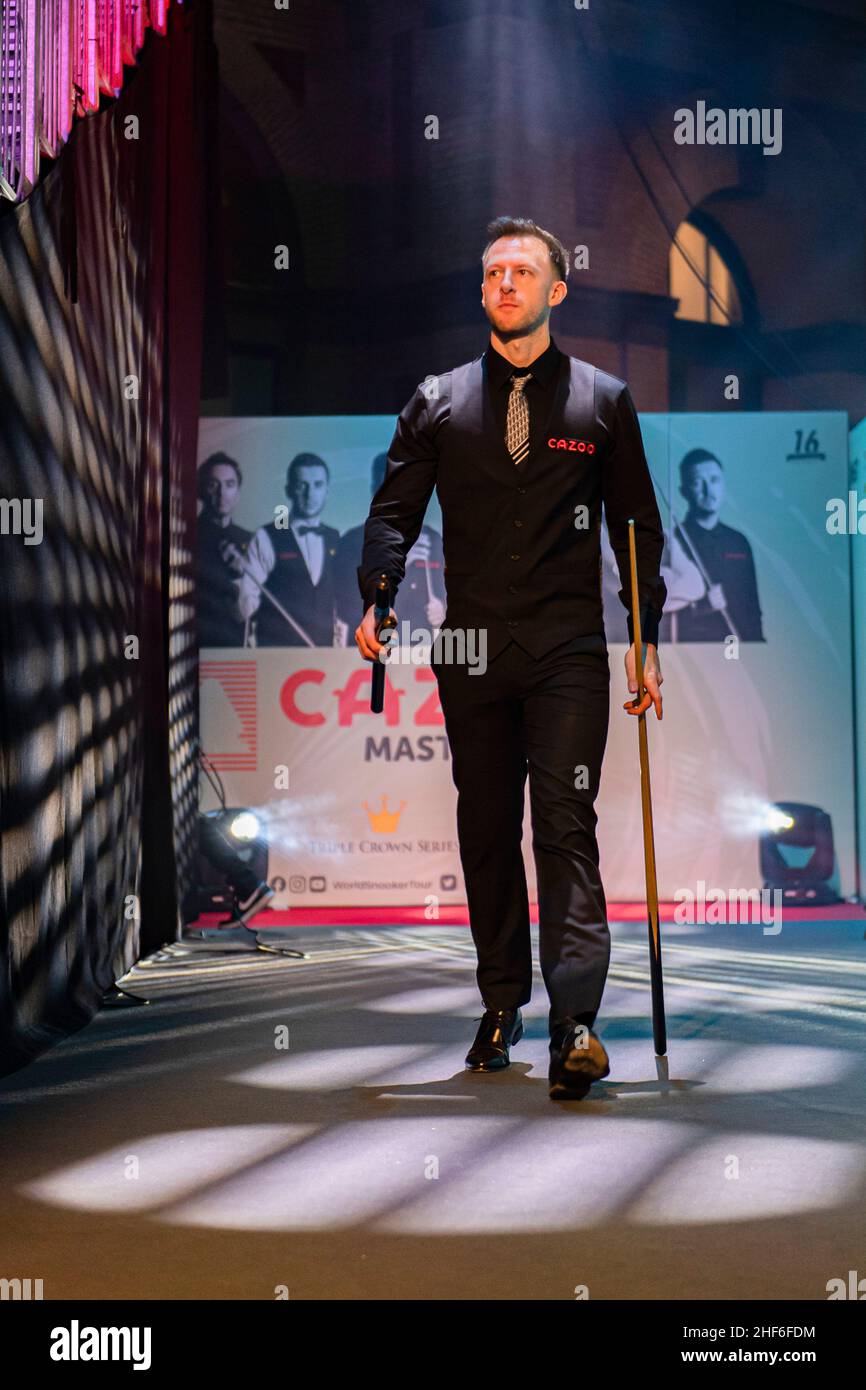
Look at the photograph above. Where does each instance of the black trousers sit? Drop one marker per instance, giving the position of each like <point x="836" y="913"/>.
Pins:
<point x="549" y="718"/>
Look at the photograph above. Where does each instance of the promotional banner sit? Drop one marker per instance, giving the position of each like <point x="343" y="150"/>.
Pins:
<point x="359" y="809"/>
<point x="856" y="510"/>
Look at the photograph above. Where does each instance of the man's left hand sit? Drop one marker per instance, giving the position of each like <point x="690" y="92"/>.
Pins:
<point x="652" y="678"/>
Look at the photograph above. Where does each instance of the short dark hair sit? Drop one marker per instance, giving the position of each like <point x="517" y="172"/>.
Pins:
<point x="695" y="456"/>
<point x="305" y="461"/>
<point x="524" y="226"/>
<point x="212" y="461"/>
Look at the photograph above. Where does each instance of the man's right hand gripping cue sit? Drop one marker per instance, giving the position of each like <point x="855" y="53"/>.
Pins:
<point x="366" y="640"/>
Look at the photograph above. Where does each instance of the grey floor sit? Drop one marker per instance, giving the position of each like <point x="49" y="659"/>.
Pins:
<point x="268" y="1123"/>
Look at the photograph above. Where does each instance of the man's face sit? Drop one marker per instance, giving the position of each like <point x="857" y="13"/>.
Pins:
<point x="309" y="490"/>
<point x="221" y="490"/>
<point x="703" y="487"/>
<point x="519" y="287"/>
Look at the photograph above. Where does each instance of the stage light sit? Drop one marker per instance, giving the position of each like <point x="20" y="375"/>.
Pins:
<point x="747" y="814"/>
<point x="797" y="854"/>
<point x="245" y="826"/>
<point x="232" y="852"/>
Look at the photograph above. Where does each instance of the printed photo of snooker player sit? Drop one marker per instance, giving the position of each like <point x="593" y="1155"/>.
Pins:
<point x="708" y="567"/>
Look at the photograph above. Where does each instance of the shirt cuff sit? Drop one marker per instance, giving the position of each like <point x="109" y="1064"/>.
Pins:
<point x="369" y="593"/>
<point x="649" y="628"/>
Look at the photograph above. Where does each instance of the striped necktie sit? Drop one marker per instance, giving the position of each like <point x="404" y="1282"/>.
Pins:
<point x="517" y="421"/>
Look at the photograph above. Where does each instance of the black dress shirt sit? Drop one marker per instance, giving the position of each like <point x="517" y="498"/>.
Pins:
<point x="543" y="375"/>
<point x="518" y="561"/>
<point x="539" y="395"/>
<point x="727" y="558"/>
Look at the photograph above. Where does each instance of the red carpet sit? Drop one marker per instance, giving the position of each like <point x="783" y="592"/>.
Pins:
<point x="459" y="917"/>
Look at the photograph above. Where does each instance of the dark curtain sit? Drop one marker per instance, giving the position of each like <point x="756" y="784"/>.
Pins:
<point x="101" y="305"/>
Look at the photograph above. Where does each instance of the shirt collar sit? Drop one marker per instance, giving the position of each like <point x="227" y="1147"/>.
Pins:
<point x="543" y="368"/>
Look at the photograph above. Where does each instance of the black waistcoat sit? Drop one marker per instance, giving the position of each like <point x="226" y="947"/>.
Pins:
<point x="515" y="561"/>
<point x="289" y="581"/>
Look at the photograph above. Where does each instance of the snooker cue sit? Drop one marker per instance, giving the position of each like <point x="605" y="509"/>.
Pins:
<point x="649" y="854"/>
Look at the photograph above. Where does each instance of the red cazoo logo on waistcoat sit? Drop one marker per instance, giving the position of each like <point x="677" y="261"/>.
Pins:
<point x="574" y="446"/>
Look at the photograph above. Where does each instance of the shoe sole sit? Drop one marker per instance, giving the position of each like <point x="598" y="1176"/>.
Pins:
<point x="500" y="1065"/>
<point x="580" y="1069"/>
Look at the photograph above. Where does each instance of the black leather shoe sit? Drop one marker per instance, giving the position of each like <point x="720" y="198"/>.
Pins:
<point x="577" y="1058"/>
<point x="499" y="1029"/>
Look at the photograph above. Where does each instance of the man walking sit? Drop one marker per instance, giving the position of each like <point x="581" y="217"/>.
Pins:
<point x="525" y="446"/>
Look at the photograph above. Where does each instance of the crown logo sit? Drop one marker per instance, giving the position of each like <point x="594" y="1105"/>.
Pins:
<point x="383" y="821"/>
